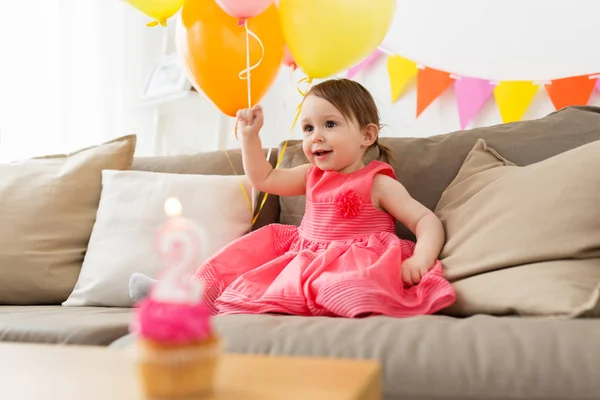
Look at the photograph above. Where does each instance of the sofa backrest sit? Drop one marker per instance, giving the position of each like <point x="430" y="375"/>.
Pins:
<point x="211" y="163"/>
<point x="426" y="166"/>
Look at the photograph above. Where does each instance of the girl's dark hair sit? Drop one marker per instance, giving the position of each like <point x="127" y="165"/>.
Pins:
<point x="354" y="101"/>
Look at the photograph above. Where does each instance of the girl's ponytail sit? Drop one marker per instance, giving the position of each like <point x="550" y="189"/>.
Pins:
<point x="385" y="153"/>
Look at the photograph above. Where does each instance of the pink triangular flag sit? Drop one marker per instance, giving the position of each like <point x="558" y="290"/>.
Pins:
<point x="471" y="95"/>
<point x="598" y="84"/>
<point x="363" y="64"/>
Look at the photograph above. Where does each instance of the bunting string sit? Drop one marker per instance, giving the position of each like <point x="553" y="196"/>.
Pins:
<point x="512" y="98"/>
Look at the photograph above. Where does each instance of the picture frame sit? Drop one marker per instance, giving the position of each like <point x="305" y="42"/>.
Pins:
<point x="167" y="81"/>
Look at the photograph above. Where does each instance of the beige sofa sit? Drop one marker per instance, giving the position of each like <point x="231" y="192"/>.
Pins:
<point x="533" y="335"/>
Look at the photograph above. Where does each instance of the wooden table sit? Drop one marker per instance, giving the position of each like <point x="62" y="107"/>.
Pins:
<point x="53" y="372"/>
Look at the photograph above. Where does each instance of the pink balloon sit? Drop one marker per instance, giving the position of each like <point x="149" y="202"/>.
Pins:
<point x="288" y="59"/>
<point x="244" y="8"/>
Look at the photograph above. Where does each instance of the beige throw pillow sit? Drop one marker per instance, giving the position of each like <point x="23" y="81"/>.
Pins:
<point x="47" y="210"/>
<point x="524" y="240"/>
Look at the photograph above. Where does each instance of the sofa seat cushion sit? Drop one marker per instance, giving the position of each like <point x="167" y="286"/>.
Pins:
<point x="63" y="325"/>
<point x="438" y="357"/>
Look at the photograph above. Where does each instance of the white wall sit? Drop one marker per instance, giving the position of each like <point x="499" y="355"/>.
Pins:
<point x="510" y="39"/>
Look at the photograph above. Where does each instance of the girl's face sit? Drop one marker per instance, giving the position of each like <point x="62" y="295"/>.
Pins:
<point x="331" y="142"/>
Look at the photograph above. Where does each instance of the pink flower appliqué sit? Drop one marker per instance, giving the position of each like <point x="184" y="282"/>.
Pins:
<point x="348" y="204"/>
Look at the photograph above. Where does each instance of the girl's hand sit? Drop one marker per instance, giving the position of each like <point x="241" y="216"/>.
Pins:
<point x="413" y="269"/>
<point x="249" y="121"/>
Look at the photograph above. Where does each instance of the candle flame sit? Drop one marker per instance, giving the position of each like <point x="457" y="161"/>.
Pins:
<point x="173" y="207"/>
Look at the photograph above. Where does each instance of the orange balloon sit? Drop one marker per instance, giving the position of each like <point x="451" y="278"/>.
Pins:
<point x="212" y="46"/>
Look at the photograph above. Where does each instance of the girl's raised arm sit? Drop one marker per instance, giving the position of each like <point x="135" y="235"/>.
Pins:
<point x="262" y="176"/>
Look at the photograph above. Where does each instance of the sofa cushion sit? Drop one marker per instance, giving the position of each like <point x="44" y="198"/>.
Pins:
<point x="130" y="213"/>
<point x="518" y="236"/>
<point x="438" y="357"/>
<point x="426" y="166"/>
<point x="213" y="163"/>
<point x="47" y="210"/>
<point x="63" y="325"/>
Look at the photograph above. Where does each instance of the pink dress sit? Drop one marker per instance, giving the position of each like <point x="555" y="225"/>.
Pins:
<point x="344" y="259"/>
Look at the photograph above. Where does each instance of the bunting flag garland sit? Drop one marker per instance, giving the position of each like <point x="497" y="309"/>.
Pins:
<point x="513" y="98"/>
<point x="471" y="95"/>
<point x="431" y="83"/>
<point x="364" y="64"/>
<point x="401" y="72"/>
<point x="575" y="90"/>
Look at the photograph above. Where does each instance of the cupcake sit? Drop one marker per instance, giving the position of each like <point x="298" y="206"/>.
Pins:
<point x="177" y="351"/>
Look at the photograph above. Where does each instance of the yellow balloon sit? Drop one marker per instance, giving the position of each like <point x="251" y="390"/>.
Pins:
<point x="326" y="37"/>
<point x="159" y="10"/>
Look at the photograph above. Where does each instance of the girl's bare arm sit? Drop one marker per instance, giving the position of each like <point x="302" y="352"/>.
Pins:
<point x="262" y="176"/>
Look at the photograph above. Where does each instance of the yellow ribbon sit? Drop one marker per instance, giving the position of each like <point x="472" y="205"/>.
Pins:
<point x="240" y="183"/>
<point x="161" y="22"/>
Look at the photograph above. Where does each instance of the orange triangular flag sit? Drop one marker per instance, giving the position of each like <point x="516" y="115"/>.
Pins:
<point x="401" y="72"/>
<point x="572" y="91"/>
<point x="431" y="83"/>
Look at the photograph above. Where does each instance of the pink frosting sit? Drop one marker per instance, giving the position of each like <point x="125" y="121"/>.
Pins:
<point x="171" y="322"/>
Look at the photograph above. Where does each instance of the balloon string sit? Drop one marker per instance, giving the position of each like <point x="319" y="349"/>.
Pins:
<point x="308" y="81"/>
<point x="161" y="22"/>
<point x="249" y="89"/>
<point x="241" y="75"/>
<point x="245" y="74"/>
<point x="248" y="68"/>
<point x="248" y="202"/>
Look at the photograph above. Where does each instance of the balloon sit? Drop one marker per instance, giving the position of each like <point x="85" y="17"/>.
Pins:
<point x="244" y="8"/>
<point x="288" y="59"/>
<point x="328" y="36"/>
<point x="160" y="10"/>
<point x="212" y="46"/>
